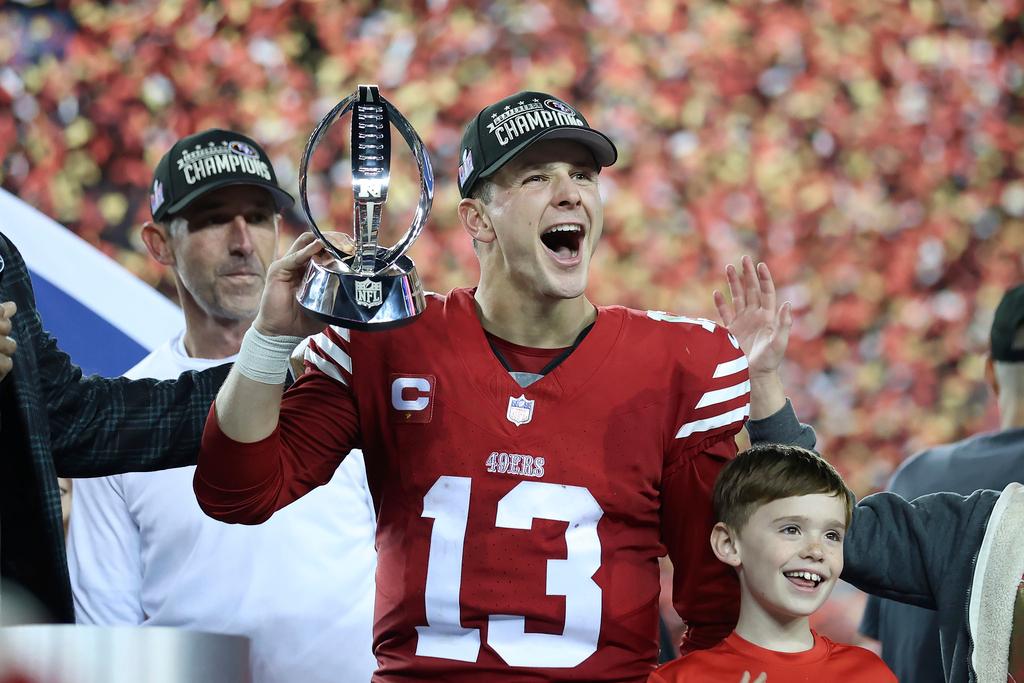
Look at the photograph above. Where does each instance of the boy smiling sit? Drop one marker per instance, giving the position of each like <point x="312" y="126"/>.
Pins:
<point x="783" y="513"/>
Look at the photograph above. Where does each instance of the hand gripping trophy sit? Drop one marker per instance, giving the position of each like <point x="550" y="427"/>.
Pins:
<point x="376" y="287"/>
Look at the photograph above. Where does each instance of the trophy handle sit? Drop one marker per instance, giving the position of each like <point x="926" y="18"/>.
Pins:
<point x="426" y="172"/>
<point x="314" y="141"/>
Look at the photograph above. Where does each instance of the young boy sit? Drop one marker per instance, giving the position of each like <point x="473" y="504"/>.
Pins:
<point x="783" y="513"/>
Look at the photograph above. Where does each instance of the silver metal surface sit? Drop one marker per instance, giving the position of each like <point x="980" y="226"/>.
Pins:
<point x="66" y="653"/>
<point x="376" y="287"/>
<point x="331" y="292"/>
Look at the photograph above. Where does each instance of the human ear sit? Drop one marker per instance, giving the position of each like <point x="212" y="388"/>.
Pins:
<point x="157" y="243"/>
<point x="475" y="220"/>
<point x="724" y="545"/>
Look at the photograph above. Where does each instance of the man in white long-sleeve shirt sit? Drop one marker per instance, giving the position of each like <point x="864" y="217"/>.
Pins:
<point x="140" y="550"/>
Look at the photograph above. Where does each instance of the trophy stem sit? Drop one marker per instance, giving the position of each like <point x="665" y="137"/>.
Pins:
<point x="371" y="173"/>
<point x="367" y="227"/>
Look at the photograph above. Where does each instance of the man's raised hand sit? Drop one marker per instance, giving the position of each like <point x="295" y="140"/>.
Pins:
<point x="280" y="314"/>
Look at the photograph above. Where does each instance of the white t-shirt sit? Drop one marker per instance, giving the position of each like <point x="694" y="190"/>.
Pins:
<point x="300" y="585"/>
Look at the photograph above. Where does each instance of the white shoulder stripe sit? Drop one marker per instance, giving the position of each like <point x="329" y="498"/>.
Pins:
<point x="323" y="365"/>
<point x="342" y="332"/>
<point x="723" y="395"/>
<point x="730" y="367"/>
<point x="333" y="351"/>
<point x="710" y="423"/>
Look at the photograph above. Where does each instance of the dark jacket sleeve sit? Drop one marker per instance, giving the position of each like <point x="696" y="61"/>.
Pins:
<point x="782" y="427"/>
<point x="920" y="552"/>
<point x="104" y="426"/>
<point x="96" y="426"/>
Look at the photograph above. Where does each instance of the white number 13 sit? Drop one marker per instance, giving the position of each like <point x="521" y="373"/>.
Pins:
<point x="447" y="503"/>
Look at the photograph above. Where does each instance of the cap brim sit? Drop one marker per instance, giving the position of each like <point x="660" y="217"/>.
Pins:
<point x="597" y="142"/>
<point x="282" y="199"/>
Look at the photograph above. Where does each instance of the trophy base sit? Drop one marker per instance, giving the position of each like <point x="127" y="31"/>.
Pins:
<point x="337" y="295"/>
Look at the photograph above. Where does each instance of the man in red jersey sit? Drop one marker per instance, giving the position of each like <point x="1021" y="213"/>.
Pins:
<point x="530" y="454"/>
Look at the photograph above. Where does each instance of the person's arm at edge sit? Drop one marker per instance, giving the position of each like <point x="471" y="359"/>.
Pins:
<point x="100" y="426"/>
<point x="870" y="620"/>
<point x="902" y="550"/>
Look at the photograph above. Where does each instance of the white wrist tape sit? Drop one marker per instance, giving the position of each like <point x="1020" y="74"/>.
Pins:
<point x="265" y="359"/>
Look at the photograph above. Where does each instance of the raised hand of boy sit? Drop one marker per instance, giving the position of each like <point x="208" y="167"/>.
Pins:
<point x="761" y="330"/>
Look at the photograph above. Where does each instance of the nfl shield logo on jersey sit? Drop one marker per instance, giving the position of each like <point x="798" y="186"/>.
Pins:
<point x="368" y="293"/>
<point x="520" y="410"/>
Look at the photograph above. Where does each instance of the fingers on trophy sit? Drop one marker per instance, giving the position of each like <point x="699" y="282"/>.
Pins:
<point x="375" y="287"/>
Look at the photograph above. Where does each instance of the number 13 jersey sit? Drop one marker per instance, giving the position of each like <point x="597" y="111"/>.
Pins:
<point x="518" y="529"/>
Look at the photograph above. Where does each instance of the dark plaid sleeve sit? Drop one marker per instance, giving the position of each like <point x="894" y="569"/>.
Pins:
<point x="97" y="426"/>
<point x="105" y="426"/>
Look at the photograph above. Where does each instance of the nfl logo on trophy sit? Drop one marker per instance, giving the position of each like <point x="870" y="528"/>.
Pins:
<point x="520" y="410"/>
<point x="368" y="293"/>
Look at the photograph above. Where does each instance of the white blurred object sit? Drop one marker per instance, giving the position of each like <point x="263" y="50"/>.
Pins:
<point x="65" y="653"/>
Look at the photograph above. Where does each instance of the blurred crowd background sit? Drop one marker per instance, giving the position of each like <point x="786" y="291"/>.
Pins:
<point x="870" y="151"/>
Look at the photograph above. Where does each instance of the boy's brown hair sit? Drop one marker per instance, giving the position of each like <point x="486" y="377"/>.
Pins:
<point x="768" y="472"/>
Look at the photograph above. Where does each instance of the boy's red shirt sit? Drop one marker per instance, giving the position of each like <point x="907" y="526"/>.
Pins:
<point x="727" y="661"/>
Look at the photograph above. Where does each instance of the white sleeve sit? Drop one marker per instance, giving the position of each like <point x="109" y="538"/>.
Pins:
<point x="103" y="554"/>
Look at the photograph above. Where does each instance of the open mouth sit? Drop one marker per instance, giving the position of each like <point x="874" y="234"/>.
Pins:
<point x="804" y="579"/>
<point x="563" y="240"/>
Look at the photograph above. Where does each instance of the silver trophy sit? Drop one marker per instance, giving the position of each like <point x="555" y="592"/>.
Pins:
<point x="377" y="287"/>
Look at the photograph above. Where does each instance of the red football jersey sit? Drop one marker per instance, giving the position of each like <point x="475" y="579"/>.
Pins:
<point x="729" y="660"/>
<point x="519" y="529"/>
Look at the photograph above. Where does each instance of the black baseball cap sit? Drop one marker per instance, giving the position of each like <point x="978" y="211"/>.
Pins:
<point x="504" y="129"/>
<point x="207" y="161"/>
<point x="1006" y="324"/>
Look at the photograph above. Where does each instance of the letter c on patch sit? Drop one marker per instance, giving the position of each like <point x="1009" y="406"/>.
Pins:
<point x="410" y="393"/>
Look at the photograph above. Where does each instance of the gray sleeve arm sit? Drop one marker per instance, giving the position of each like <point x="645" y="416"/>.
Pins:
<point x="782" y="427"/>
<point x="911" y="550"/>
